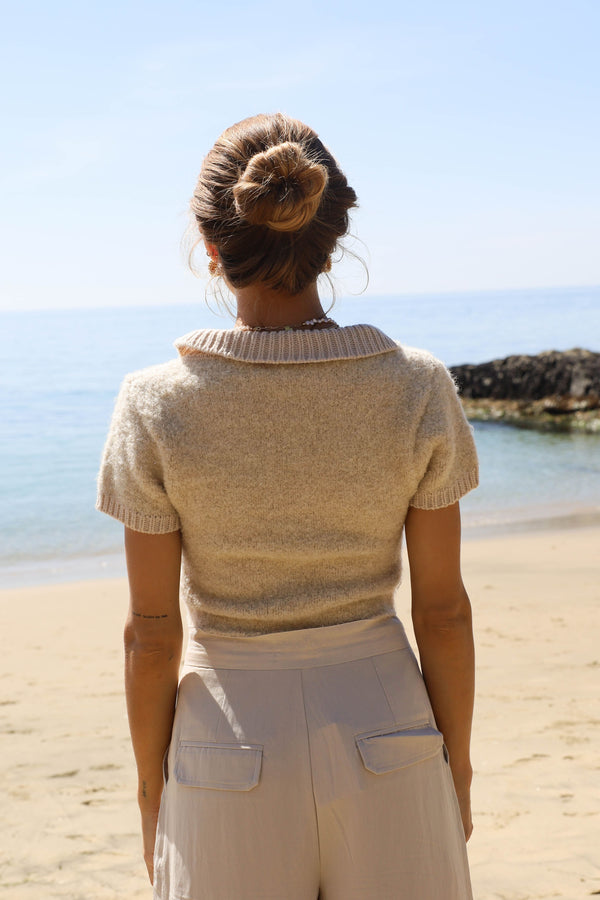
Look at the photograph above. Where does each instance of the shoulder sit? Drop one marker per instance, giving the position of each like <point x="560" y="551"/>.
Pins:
<point x="422" y="366"/>
<point x="149" y="392"/>
<point x="418" y="359"/>
<point x="154" y="382"/>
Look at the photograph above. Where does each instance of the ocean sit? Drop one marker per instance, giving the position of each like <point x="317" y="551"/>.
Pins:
<point x="61" y="371"/>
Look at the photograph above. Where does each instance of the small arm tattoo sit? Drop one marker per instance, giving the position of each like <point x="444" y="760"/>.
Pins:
<point x="144" y="616"/>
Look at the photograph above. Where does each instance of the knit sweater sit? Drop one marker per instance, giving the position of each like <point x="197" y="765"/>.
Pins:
<point x="288" y="460"/>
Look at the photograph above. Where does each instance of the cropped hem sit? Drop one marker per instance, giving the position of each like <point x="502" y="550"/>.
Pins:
<point x="447" y="496"/>
<point x="137" y="521"/>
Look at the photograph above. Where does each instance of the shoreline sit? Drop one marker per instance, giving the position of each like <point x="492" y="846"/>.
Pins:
<point x="570" y="521"/>
<point x="110" y="565"/>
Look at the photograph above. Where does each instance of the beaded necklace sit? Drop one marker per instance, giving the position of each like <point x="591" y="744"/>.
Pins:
<point x="324" y="321"/>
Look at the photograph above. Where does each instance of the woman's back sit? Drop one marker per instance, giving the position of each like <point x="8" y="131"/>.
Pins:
<point x="290" y="480"/>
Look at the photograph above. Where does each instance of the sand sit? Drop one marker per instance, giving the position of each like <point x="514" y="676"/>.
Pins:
<point x="67" y="803"/>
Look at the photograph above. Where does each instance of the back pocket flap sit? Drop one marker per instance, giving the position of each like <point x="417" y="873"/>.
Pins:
<point x="385" y="751"/>
<point x="226" y="767"/>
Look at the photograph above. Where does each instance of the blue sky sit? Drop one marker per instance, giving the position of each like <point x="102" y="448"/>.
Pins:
<point x="469" y="130"/>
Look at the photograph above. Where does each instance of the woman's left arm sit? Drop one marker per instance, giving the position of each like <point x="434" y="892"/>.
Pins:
<point x="153" y="641"/>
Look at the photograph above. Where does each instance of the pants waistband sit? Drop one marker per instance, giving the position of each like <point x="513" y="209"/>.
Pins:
<point x="324" y="646"/>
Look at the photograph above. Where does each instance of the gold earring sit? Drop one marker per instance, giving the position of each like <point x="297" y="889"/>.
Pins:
<point x="213" y="266"/>
<point x="327" y="266"/>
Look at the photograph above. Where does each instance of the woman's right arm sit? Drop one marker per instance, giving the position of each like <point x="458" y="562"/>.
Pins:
<point x="441" y="614"/>
<point x="153" y="642"/>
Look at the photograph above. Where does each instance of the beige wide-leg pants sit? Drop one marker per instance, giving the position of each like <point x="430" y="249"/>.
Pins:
<point x="306" y="764"/>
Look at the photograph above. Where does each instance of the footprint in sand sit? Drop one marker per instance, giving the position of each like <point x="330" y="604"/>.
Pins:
<point x="533" y="756"/>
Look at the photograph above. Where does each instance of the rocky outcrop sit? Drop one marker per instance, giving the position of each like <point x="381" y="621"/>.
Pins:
<point x="558" y="391"/>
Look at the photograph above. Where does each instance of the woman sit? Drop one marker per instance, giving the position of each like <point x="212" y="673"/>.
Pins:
<point x="282" y="460"/>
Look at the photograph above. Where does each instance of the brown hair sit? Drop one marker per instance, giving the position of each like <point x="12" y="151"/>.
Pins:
<point x="273" y="201"/>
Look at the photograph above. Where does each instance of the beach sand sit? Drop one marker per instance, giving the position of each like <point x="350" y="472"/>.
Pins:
<point x="67" y="806"/>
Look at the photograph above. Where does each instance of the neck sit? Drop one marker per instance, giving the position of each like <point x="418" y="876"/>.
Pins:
<point x="261" y="307"/>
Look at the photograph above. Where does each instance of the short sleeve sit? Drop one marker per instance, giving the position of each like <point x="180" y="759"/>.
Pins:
<point x="445" y="446"/>
<point x="131" y="478"/>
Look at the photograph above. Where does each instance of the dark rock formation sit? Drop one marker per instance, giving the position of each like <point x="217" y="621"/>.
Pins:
<point x="553" y="390"/>
<point x="572" y="373"/>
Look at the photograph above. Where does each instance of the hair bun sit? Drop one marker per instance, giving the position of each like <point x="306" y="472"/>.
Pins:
<point x="280" y="188"/>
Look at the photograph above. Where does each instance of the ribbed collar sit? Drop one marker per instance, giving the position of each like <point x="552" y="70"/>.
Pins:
<point x="349" y="342"/>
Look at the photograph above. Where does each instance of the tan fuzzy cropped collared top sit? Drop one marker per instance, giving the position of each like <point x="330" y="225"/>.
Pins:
<point x="288" y="460"/>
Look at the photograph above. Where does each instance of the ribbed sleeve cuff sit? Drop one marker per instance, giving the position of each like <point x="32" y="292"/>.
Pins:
<point x="137" y="521"/>
<point x="448" y="495"/>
